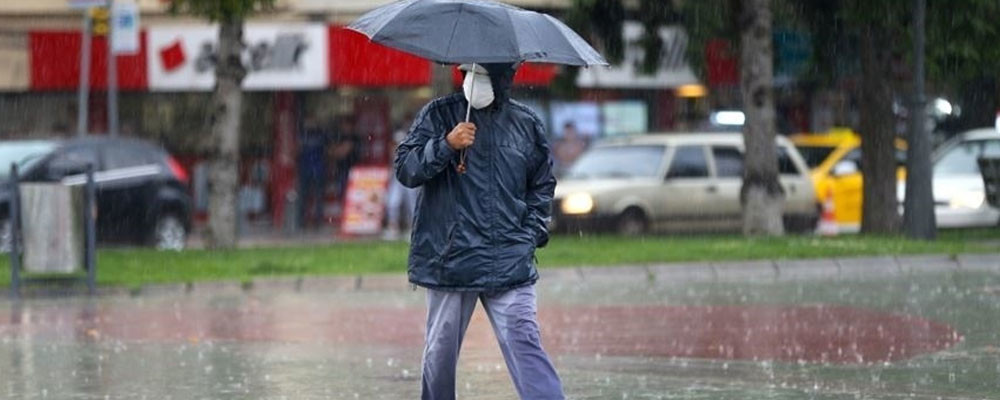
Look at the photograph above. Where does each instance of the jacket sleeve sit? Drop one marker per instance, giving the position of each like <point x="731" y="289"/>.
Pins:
<point x="541" y="187"/>
<point x="424" y="153"/>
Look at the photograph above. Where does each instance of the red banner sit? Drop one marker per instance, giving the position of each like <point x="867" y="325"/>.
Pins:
<point x="55" y="62"/>
<point x="353" y="61"/>
<point x="283" y="156"/>
<point x="723" y="64"/>
<point x="356" y="61"/>
<point x="530" y="74"/>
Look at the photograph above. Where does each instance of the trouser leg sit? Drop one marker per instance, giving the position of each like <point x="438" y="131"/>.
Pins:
<point x="513" y="316"/>
<point x="319" y="191"/>
<point x="448" y="315"/>
<point x="393" y="198"/>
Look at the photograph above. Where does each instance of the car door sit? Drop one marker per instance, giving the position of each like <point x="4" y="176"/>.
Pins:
<point x="129" y="175"/>
<point x="799" y="192"/>
<point x="686" y="186"/>
<point x="727" y="176"/>
<point x="847" y="189"/>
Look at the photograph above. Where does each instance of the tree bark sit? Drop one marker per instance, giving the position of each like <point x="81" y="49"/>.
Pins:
<point x="227" y="104"/>
<point x="761" y="195"/>
<point x="880" y="214"/>
<point x="918" y="217"/>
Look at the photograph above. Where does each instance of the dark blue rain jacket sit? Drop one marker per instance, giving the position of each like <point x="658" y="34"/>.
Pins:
<point x="477" y="231"/>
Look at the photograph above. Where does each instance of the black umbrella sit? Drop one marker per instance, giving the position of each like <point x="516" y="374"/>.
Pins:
<point x="475" y="31"/>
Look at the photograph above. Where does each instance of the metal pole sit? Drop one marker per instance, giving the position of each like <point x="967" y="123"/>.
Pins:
<point x="918" y="219"/>
<point x="90" y="231"/>
<point x="83" y="94"/>
<point x="112" y="74"/>
<point x="15" y="232"/>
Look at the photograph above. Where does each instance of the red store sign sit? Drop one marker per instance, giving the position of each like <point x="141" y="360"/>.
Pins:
<point x="351" y="60"/>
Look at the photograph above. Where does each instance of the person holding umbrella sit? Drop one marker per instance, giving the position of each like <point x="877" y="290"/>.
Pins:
<point x="484" y="167"/>
<point x="475" y="232"/>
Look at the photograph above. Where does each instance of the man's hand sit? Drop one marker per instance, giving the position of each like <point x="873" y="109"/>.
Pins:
<point x="462" y="135"/>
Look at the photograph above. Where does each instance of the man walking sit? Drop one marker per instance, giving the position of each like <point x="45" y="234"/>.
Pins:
<point x="487" y="188"/>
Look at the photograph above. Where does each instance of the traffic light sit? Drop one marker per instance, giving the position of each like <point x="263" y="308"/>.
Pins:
<point x="100" y="18"/>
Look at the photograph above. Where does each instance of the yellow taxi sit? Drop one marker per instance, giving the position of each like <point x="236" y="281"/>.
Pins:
<point x="835" y="161"/>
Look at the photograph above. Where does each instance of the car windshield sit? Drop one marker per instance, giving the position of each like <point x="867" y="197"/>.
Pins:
<point x="24" y="154"/>
<point x="961" y="159"/>
<point x="618" y="162"/>
<point x="815" y="155"/>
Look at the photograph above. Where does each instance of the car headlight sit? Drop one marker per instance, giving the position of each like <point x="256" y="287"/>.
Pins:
<point x="577" y="203"/>
<point x="970" y="199"/>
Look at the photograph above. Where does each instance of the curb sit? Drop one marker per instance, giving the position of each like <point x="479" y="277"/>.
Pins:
<point x="760" y="271"/>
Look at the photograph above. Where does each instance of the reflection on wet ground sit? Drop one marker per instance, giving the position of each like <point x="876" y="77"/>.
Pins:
<point x="933" y="335"/>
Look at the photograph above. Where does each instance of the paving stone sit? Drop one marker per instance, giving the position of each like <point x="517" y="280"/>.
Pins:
<point x="384" y="282"/>
<point x="681" y="273"/>
<point x="926" y="263"/>
<point x="979" y="262"/>
<point x="867" y="267"/>
<point x="745" y="271"/>
<point x="799" y="270"/>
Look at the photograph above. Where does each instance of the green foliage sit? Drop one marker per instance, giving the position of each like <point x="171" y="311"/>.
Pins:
<point x="707" y="20"/>
<point x="962" y="40"/>
<point x="961" y="36"/>
<point x="601" y="22"/>
<point x="220" y="10"/>
<point x="654" y="14"/>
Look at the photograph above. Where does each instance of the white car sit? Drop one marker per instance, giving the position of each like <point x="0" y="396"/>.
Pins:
<point x="672" y="182"/>
<point x="959" y="193"/>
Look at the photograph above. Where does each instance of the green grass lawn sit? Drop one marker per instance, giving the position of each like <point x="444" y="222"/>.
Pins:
<point x="135" y="267"/>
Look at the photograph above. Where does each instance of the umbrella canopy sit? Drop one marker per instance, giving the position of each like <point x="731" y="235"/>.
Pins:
<point x="475" y="31"/>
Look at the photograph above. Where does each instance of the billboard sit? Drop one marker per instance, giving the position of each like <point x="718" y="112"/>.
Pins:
<point x="584" y="115"/>
<point x="277" y="57"/>
<point x="625" y="118"/>
<point x="364" y="204"/>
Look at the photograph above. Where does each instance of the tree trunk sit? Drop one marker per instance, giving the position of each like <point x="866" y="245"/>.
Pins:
<point x="880" y="214"/>
<point x="918" y="217"/>
<point x="761" y="196"/>
<point x="227" y="102"/>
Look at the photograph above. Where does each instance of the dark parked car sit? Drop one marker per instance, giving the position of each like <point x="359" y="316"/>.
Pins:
<point x="142" y="192"/>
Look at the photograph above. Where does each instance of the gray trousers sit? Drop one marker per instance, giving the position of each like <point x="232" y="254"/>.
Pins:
<point x="512" y="314"/>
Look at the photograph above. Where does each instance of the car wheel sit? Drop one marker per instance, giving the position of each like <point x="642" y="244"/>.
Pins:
<point x="6" y="236"/>
<point x="169" y="233"/>
<point x="632" y="222"/>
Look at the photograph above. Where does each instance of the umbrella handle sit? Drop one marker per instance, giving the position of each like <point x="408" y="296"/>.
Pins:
<point x="468" y="114"/>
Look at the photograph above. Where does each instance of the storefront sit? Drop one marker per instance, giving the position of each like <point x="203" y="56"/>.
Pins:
<point x="296" y="72"/>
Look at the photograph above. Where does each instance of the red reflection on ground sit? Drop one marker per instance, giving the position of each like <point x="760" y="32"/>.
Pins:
<point x="821" y="333"/>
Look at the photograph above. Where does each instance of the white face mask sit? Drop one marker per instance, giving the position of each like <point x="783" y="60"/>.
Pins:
<point x="481" y="95"/>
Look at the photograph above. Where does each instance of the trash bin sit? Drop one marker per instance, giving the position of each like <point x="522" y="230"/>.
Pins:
<point x="990" y="169"/>
<point x="52" y="227"/>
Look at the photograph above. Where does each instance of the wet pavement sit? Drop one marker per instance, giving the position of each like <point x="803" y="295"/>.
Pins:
<point x="917" y="329"/>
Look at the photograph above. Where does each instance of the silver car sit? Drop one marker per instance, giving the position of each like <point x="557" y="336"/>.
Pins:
<point x="959" y="193"/>
<point x="672" y="182"/>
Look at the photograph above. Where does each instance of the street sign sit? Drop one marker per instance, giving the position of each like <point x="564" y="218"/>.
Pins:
<point x="125" y="27"/>
<point x="84" y="4"/>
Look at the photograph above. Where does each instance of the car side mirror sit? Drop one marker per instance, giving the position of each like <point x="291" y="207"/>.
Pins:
<point x="845" y="167"/>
